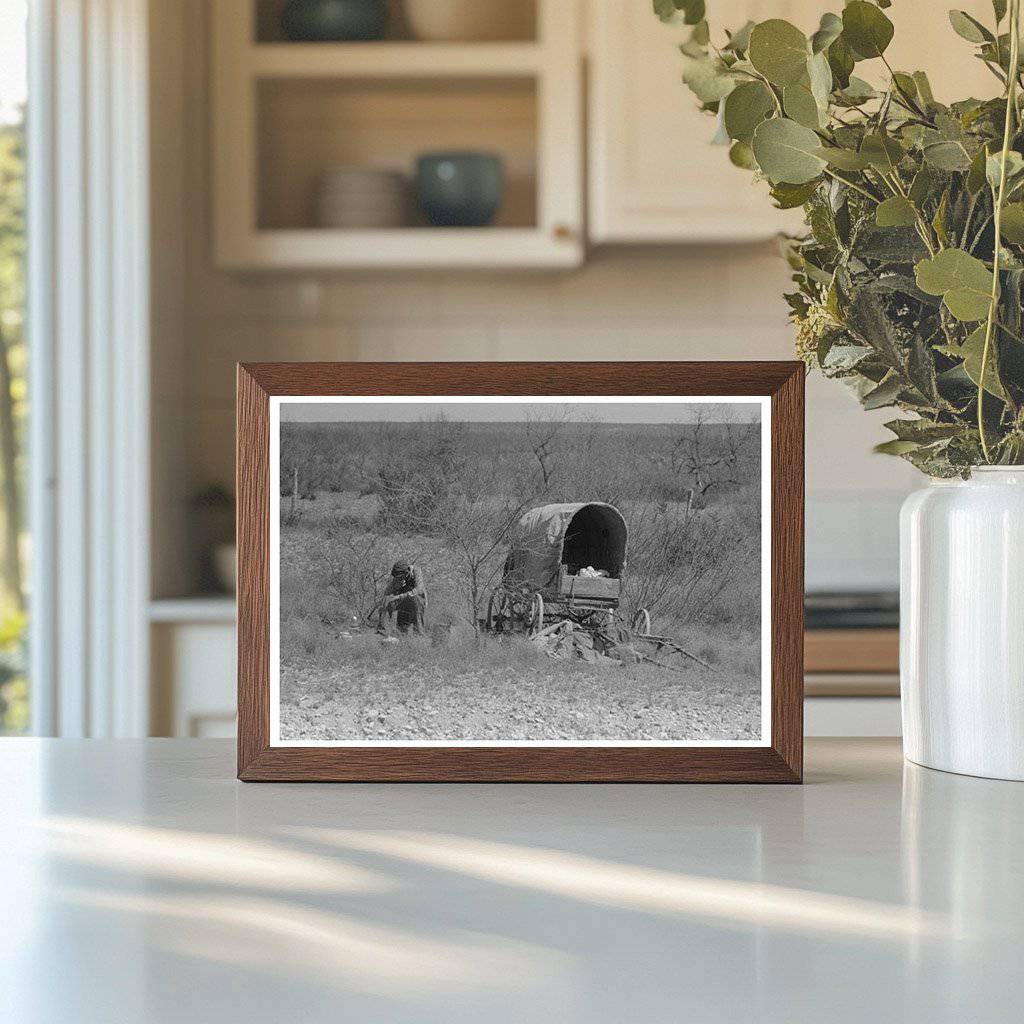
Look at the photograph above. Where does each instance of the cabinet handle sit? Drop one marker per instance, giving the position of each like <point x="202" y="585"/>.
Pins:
<point x="562" y="232"/>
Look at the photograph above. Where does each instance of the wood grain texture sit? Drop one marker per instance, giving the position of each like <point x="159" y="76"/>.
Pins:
<point x="782" y="761"/>
<point x="787" y="545"/>
<point x="852" y="650"/>
<point x="253" y="538"/>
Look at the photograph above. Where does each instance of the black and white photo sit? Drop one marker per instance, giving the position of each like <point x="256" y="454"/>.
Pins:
<point x="490" y="571"/>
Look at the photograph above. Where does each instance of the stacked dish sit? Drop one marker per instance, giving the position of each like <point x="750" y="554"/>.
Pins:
<point x="470" y="20"/>
<point x="362" y="197"/>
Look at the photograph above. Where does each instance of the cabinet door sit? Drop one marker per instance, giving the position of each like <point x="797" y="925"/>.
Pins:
<point x="654" y="176"/>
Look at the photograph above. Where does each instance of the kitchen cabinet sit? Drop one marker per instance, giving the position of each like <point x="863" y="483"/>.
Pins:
<point x="192" y="645"/>
<point x="653" y="177"/>
<point x="286" y="114"/>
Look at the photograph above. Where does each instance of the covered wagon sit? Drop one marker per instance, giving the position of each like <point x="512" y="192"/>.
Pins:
<point x="565" y="561"/>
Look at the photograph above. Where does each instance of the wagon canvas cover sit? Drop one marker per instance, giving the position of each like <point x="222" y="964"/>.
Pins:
<point x="579" y="534"/>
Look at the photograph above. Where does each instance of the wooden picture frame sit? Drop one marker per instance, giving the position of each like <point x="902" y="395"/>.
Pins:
<point x="779" y="758"/>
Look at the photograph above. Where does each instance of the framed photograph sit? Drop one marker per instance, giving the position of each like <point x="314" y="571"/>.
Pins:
<point x="578" y="572"/>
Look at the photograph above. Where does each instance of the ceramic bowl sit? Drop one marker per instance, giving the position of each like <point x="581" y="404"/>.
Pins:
<point x="460" y="189"/>
<point x="333" y="21"/>
<point x="359" y="197"/>
<point x="470" y="20"/>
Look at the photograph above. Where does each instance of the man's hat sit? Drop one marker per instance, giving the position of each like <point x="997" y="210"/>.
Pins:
<point x="400" y="569"/>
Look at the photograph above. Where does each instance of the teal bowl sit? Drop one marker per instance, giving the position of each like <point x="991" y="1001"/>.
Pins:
<point x="334" y="21"/>
<point x="460" y="189"/>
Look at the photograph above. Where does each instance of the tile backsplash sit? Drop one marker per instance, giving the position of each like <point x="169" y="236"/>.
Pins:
<point x="708" y="303"/>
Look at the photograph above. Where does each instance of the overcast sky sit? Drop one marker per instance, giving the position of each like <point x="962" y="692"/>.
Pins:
<point x="343" y="410"/>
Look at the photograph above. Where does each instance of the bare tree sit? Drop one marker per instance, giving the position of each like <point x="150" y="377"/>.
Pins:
<point x="695" y="453"/>
<point x="739" y="447"/>
<point x="479" y="533"/>
<point x="542" y="430"/>
<point x="680" y="565"/>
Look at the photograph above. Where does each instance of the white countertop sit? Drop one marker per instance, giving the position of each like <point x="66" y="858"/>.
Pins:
<point x="140" y="882"/>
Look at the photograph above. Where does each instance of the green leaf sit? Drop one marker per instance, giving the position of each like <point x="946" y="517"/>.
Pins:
<point x="924" y="88"/>
<point x="739" y="41"/>
<point x="701" y="34"/>
<point x="1012" y="224"/>
<point x="866" y="29"/>
<point x="787" y="151"/>
<point x="885" y="394"/>
<point x="693" y="10"/>
<point x="841" y="63"/>
<point x="895" y="447"/>
<point x="947" y="156"/>
<point x="969" y="28"/>
<point x="939" y="220"/>
<point x="788" y="197"/>
<point x="689" y="12"/>
<point x="779" y="51"/>
<point x="923" y="431"/>
<point x="741" y="155"/>
<point x="905" y="84"/>
<point x="999" y="9"/>
<point x="857" y="91"/>
<point x="922" y="185"/>
<point x="921" y="369"/>
<point x="890" y="245"/>
<point x="801" y="106"/>
<point x="745" y="108"/>
<point x="843" y="358"/>
<point x="829" y="30"/>
<point x="976" y="173"/>
<point x="707" y="78"/>
<point x="963" y="281"/>
<point x="666" y="10"/>
<point x="819" y="74"/>
<point x="993" y="167"/>
<point x="971" y="351"/>
<point x="895" y="212"/>
<point x="883" y="152"/>
<point x="844" y="159"/>
<point x="721" y="136"/>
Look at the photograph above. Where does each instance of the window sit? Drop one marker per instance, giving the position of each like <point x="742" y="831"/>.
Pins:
<point x="14" y="691"/>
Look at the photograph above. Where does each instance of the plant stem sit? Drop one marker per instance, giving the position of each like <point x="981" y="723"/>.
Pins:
<point x="908" y="100"/>
<point x="1011" y="109"/>
<point x="853" y="185"/>
<point x="775" y="98"/>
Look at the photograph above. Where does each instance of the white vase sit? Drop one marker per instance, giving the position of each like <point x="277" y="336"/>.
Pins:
<point x="962" y="624"/>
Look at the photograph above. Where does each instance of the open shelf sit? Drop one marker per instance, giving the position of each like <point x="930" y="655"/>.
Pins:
<point x="393" y="60"/>
<point x="285" y="114"/>
<point x="520" y="22"/>
<point x="411" y="248"/>
<point x="204" y="609"/>
<point x="309" y="127"/>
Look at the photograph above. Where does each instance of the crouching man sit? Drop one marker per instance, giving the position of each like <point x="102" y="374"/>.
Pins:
<point x="405" y="600"/>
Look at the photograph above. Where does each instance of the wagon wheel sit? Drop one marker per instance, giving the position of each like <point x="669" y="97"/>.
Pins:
<point x="499" y="612"/>
<point x="642" y="622"/>
<point x="535" y="622"/>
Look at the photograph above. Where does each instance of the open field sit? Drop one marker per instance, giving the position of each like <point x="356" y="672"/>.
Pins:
<point x="498" y="691"/>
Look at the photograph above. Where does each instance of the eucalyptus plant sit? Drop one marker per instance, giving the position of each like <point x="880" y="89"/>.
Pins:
<point x="910" y="278"/>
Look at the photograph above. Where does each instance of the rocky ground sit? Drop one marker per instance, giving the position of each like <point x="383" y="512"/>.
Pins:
<point x="410" y="691"/>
